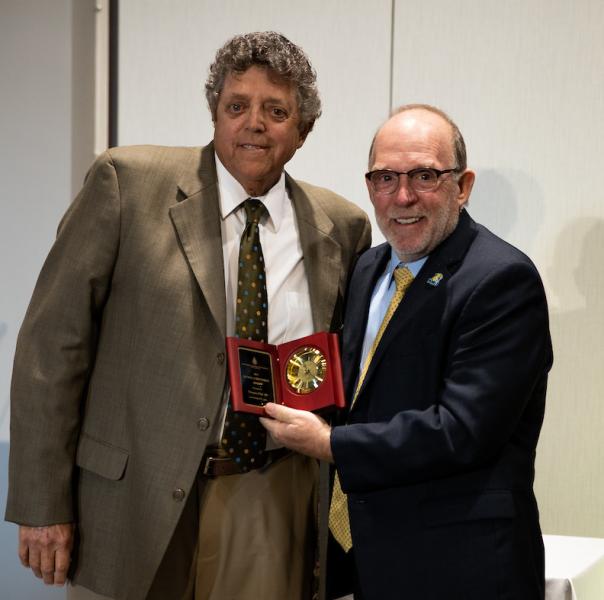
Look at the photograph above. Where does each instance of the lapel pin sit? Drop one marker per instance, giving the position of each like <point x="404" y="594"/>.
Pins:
<point x="435" y="279"/>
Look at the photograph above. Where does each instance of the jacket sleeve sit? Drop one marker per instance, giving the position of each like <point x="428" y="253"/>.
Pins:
<point x="364" y="241"/>
<point x="497" y="357"/>
<point x="55" y="352"/>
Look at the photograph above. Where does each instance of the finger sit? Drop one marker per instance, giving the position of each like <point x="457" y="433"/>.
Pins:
<point x="47" y="565"/>
<point x="62" y="560"/>
<point x="280" y="412"/>
<point x="34" y="562"/>
<point x="23" y="552"/>
<point x="267" y="423"/>
<point x="269" y="409"/>
<point x="272" y="426"/>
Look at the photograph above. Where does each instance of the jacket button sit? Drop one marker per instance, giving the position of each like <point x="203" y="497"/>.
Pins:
<point x="203" y="423"/>
<point x="220" y="358"/>
<point x="178" y="494"/>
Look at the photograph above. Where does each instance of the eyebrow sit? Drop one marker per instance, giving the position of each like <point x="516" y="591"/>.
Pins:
<point x="424" y="166"/>
<point x="271" y="100"/>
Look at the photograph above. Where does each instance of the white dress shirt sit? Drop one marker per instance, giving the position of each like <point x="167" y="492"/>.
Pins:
<point x="289" y="310"/>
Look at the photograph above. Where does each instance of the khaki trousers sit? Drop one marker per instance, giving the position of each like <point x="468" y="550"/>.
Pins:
<point x="257" y="534"/>
<point x="255" y="541"/>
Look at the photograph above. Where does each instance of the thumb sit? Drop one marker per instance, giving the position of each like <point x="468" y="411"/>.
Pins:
<point x="280" y="412"/>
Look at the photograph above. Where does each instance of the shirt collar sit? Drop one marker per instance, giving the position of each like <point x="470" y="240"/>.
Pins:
<point x="232" y="194"/>
<point x="395" y="261"/>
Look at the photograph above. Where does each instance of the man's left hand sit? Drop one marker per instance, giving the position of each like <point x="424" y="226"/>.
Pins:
<point x="299" y="430"/>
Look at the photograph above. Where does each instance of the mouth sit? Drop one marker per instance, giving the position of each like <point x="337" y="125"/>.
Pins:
<point x="408" y="220"/>
<point x="252" y="147"/>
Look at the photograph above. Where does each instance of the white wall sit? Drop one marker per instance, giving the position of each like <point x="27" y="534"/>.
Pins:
<point x="42" y="83"/>
<point x="525" y="82"/>
<point x="35" y="153"/>
<point x="166" y="49"/>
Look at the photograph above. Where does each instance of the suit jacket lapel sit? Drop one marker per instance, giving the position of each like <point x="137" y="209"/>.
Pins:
<point x="367" y="272"/>
<point x="444" y="260"/>
<point x="322" y="255"/>
<point x="197" y="221"/>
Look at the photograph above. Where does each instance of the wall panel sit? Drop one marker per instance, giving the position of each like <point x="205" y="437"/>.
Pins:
<point x="35" y="169"/>
<point x="166" y="48"/>
<point x="524" y="81"/>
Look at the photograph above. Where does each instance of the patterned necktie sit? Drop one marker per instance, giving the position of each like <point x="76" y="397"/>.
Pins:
<point x="339" y="523"/>
<point x="243" y="437"/>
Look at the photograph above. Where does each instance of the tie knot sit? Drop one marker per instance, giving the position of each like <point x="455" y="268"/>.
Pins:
<point x="254" y="209"/>
<point x="402" y="278"/>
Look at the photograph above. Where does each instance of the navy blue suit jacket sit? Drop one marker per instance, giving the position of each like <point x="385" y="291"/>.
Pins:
<point x="437" y="456"/>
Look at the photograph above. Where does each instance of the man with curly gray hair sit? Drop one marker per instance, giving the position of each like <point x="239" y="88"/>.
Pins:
<point x="276" y="53"/>
<point x="146" y="485"/>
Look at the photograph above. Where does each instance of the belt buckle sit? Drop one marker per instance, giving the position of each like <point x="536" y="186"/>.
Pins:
<point x="207" y="470"/>
<point x="206" y="466"/>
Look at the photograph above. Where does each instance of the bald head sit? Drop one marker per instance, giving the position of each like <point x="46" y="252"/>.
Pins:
<point x="457" y="143"/>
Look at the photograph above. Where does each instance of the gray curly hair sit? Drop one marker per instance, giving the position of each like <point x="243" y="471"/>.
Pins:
<point x="274" y="51"/>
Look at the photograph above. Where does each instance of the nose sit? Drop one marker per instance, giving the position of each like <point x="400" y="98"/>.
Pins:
<point x="255" y="120"/>
<point x="404" y="195"/>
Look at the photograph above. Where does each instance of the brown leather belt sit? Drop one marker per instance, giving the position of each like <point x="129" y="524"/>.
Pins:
<point x="215" y="464"/>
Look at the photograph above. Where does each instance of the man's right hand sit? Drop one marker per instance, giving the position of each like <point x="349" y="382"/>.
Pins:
<point x="47" y="551"/>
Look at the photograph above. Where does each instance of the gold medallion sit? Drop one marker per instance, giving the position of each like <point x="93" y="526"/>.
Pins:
<point x="306" y="368"/>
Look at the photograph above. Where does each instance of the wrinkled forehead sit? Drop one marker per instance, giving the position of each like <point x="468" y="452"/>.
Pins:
<point x="416" y="132"/>
<point x="260" y="68"/>
<point x="259" y="80"/>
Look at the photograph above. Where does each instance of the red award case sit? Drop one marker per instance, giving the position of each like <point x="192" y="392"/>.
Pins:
<point x="305" y="373"/>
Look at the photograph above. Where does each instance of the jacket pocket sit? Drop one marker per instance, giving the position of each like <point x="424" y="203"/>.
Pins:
<point x="101" y="457"/>
<point x="496" y="504"/>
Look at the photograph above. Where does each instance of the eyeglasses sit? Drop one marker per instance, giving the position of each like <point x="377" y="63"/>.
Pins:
<point x="420" y="180"/>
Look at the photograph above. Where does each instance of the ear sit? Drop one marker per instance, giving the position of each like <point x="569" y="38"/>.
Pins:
<point x="369" y="190"/>
<point x="465" y="183"/>
<point x="303" y="135"/>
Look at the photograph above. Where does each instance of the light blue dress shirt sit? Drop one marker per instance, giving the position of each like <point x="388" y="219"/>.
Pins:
<point x="380" y="299"/>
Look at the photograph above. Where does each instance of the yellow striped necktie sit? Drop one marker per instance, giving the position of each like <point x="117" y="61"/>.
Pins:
<point x="339" y="523"/>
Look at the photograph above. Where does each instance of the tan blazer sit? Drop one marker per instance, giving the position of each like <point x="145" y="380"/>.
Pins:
<point x="120" y="363"/>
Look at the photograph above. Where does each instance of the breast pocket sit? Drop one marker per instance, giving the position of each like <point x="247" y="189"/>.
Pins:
<point x="299" y="316"/>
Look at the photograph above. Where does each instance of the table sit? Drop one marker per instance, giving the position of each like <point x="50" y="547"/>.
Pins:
<point x="574" y="568"/>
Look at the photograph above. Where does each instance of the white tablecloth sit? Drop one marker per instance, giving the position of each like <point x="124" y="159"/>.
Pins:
<point x="574" y="568"/>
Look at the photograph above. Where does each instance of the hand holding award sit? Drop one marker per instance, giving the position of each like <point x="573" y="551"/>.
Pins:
<point x="304" y="373"/>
